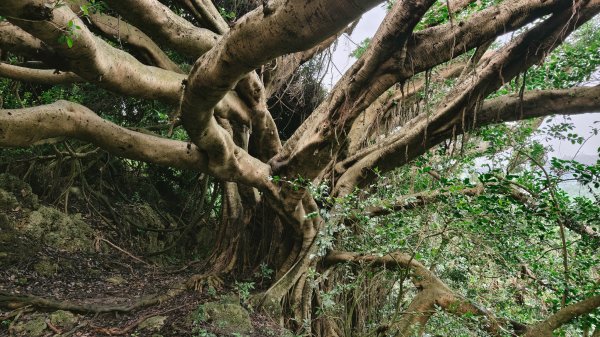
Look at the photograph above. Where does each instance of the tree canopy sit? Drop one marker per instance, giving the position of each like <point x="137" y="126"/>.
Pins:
<point x="414" y="197"/>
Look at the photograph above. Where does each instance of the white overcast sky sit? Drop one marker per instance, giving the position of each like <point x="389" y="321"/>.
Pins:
<point x="341" y="59"/>
<point x="588" y="153"/>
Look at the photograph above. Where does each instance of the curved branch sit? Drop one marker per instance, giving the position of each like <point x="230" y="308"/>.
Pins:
<point x="563" y="316"/>
<point x="119" y="30"/>
<point x="432" y="291"/>
<point x="263" y="34"/>
<point x="89" y="56"/>
<point x="206" y="12"/>
<point x="25" y="127"/>
<point x="459" y="112"/>
<point x="539" y="103"/>
<point x="166" y="27"/>
<point x="440" y="44"/>
<point x="314" y="145"/>
<point x="413" y="201"/>
<point x="19" y="42"/>
<point x="44" y="76"/>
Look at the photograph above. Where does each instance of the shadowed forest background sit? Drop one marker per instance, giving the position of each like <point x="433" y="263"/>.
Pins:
<point x="184" y="168"/>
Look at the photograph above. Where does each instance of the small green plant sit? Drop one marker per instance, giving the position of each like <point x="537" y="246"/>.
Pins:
<point x="361" y="48"/>
<point x="265" y="273"/>
<point x="200" y="317"/>
<point x="229" y="15"/>
<point x="212" y="292"/>
<point x="244" y="289"/>
<point x="93" y="6"/>
<point x="204" y="333"/>
<point x="69" y="34"/>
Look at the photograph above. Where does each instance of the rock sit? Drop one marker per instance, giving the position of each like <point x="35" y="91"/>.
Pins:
<point x="230" y="299"/>
<point x="229" y="318"/>
<point x="154" y="323"/>
<point x="59" y="230"/>
<point x="46" y="268"/>
<point x="8" y="202"/>
<point x="19" y="189"/>
<point x="116" y="280"/>
<point x="145" y="216"/>
<point x="4" y="222"/>
<point x="34" y="327"/>
<point x="63" y="319"/>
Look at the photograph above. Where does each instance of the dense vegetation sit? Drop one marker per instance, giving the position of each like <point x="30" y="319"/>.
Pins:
<point x="418" y="197"/>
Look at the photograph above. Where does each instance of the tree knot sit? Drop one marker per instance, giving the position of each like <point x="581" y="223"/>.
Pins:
<point x="266" y="9"/>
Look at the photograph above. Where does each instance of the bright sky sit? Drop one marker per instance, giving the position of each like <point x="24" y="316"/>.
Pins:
<point x="346" y="44"/>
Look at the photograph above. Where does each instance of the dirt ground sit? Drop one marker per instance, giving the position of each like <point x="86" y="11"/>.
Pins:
<point x="54" y="281"/>
<point x="106" y="279"/>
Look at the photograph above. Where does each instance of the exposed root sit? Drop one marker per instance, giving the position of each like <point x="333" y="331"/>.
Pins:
<point x="133" y="325"/>
<point x="100" y="239"/>
<point x="196" y="282"/>
<point x="16" y="313"/>
<point x="201" y="281"/>
<point x="17" y="301"/>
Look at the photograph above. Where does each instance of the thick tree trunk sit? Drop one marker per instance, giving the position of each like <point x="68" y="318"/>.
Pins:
<point x="250" y="235"/>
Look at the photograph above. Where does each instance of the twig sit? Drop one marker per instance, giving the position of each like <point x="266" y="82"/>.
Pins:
<point x="72" y="331"/>
<point x="123" y="251"/>
<point x="15" y="312"/>
<point x="53" y="327"/>
<point x="561" y="220"/>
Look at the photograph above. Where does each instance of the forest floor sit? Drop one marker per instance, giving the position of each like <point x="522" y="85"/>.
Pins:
<point x="53" y="276"/>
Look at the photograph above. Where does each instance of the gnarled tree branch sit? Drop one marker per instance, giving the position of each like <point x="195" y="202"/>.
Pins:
<point x="44" y="76"/>
<point x="458" y="112"/>
<point x="432" y="292"/>
<point x="166" y="27"/>
<point x="24" y="127"/>
<point x="119" y="30"/>
<point x="563" y="316"/>
<point x="90" y="57"/>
